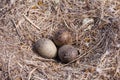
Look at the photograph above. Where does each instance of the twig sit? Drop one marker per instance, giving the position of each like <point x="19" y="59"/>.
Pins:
<point x="81" y="56"/>
<point x="9" y="66"/>
<point x="67" y="25"/>
<point x="31" y="22"/>
<point x="17" y="30"/>
<point x="30" y="74"/>
<point x="43" y="59"/>
<point x="4" y="10"/>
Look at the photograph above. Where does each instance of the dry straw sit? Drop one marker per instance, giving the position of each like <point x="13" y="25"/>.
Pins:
<point x="95" y="29"/>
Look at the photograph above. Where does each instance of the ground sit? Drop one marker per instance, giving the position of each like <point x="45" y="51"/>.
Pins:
<point x="95" y="28"/>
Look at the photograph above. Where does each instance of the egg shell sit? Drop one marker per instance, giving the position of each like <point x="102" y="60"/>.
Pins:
<point x="67" y="53"/>
<point x="62" y="37"/>
<point x="46" y="48"/>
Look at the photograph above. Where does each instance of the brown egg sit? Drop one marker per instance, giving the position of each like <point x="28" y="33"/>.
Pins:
<point x="67" y="53"/>
<point x="62" y="37"/>
<point x="46" y="48"/>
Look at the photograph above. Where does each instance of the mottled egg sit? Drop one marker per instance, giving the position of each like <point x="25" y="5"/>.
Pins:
<point x="62" y="37"/>
<point x="46" y="48"/>
<point x="67" y="53"/>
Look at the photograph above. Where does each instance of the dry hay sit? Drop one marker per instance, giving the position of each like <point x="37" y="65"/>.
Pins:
<point x="98" y="40"/>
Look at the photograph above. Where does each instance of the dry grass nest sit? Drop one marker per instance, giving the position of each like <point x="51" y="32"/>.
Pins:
<point x="95" y="28"/>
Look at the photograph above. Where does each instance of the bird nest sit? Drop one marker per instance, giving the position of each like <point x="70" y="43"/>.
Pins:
<point x="95" y="28"/>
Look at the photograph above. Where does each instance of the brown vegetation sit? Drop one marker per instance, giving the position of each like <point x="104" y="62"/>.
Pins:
<point x="95" y="28"/>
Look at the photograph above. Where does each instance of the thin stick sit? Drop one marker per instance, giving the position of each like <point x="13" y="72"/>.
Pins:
<point x="81" y="56"/>
<point x="9" y="66"/>
<point x="31" y="22"/>
<point x="43" y="59"/>
<point x="30" y="74"/>
<point x="17" y="30"/>
<point x="67" y="25"/>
